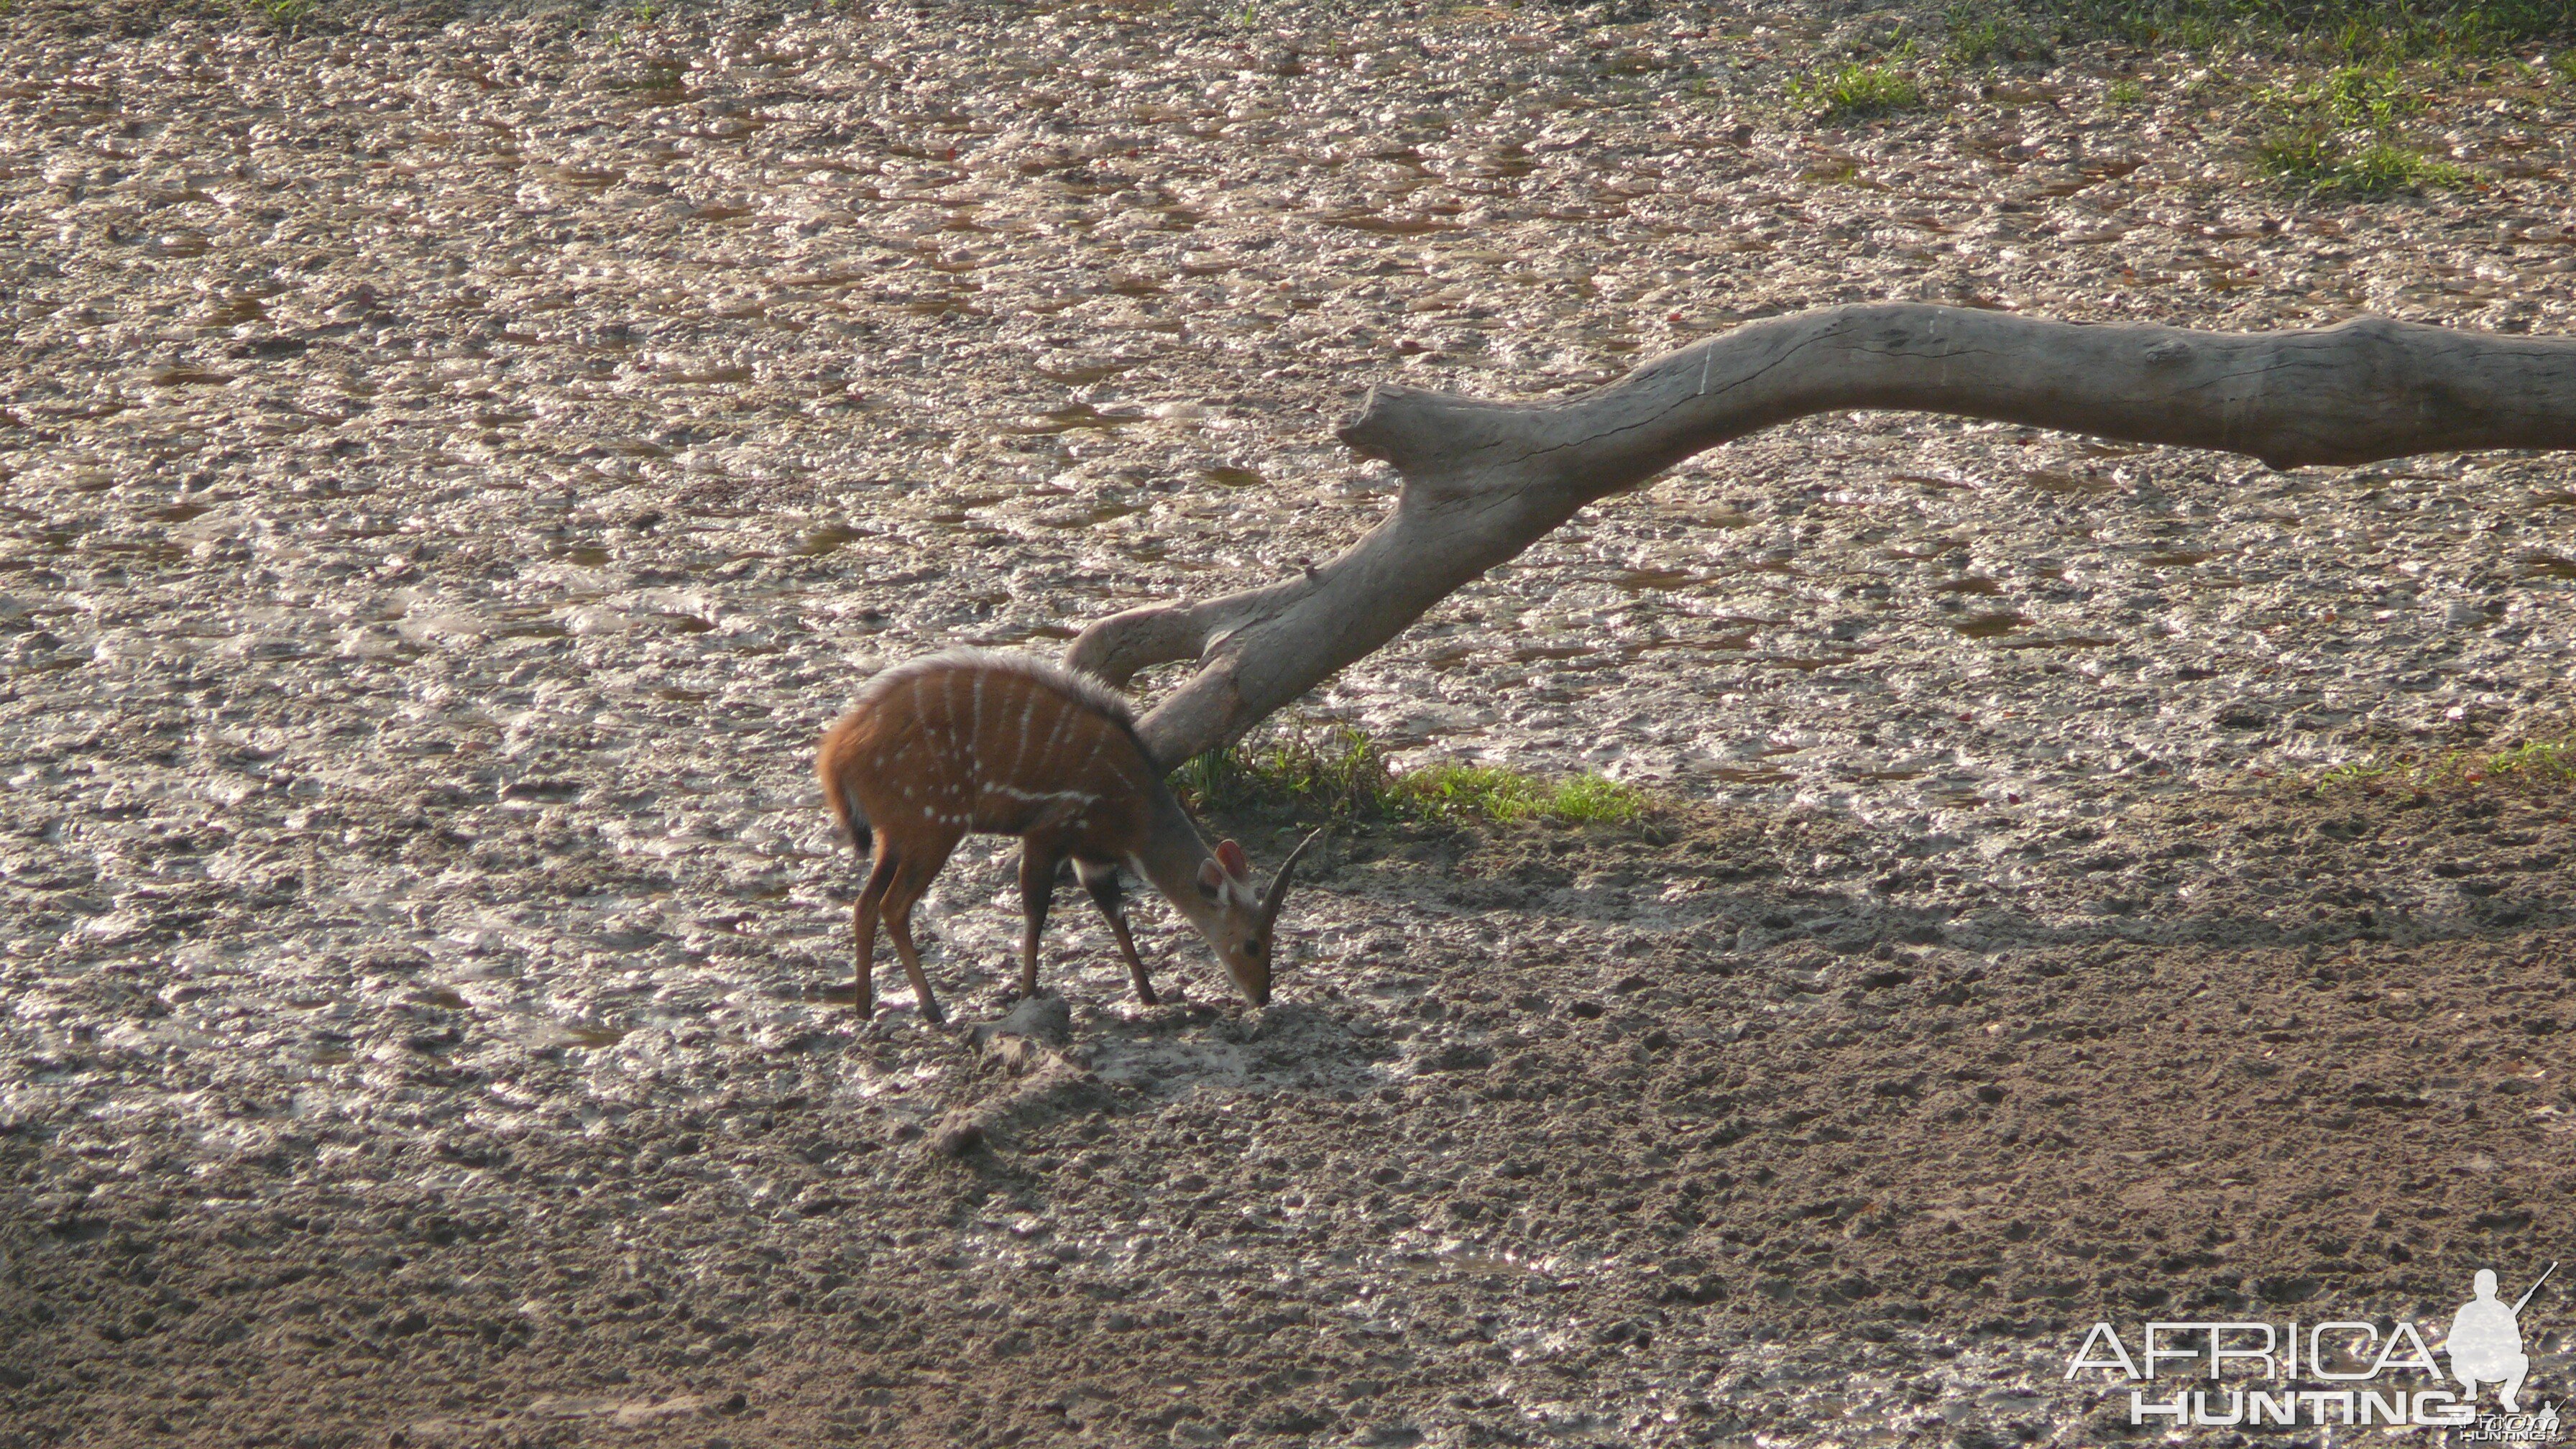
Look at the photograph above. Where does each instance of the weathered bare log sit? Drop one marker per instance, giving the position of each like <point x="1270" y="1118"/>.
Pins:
<point x="1484" y="480"/>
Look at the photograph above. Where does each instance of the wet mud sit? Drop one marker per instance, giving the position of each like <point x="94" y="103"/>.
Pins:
<point x="454" y="463"/>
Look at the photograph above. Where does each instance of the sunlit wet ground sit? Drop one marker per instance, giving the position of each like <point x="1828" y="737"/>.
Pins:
<point x="448" y="477"/>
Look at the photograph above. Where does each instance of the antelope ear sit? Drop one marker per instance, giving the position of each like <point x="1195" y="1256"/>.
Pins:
<point x="1211" y="880"/>
<point x="1230" y="855"/>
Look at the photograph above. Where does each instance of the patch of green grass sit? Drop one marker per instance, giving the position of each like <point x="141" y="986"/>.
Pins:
<point x="1855" y="91"/>
<point x="2535" y="765"/>
<point x="2538" y="764"/>
<point x="2323" y="163"/>
<point x="2349" y="95"/>
<point x="2338" y="136"/>
<point x="1510" y="797"/>
<point x="2125" y="93"/>
<point x="1340" y="775"/>
<point x="285" y="15"/>
<point x="2386" y="29"/>
<point x="2360" y="774"/>
<point x="1983" y="33"/>
<point x="2564" y="62"/>
<point x="1337" y="772"/>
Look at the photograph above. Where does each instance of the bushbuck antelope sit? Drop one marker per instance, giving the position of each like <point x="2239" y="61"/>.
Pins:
<point x="970" y="741"/>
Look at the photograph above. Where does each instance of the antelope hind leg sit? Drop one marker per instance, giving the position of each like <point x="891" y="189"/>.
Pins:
<point x="910" y="882"/>
<point x="898" y="921"/>
<point x="863" y="924"/>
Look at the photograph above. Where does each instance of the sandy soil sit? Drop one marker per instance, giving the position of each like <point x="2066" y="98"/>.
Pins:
<point x="452" y="464"/>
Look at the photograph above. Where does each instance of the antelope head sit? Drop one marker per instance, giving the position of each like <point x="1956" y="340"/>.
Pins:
<point x="1242" y="919"/>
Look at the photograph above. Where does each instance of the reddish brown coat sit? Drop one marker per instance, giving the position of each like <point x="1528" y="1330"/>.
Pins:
<point x="969" y="742"/>
<point x="1003" y="744"/>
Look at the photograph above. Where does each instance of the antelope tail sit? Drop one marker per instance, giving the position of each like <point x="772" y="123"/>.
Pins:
<point x="854" y="821"/>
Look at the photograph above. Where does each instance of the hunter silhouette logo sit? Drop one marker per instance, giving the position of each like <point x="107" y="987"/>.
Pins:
<point x="2340" y="1371"/>
<point x="2486" y="1341"/>
<point x="2486" y="1347"/>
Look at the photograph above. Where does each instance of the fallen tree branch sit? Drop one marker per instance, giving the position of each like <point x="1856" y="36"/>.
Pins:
<point x="1485" y="480"/>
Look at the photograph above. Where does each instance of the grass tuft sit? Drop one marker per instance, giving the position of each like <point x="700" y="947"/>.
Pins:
<point x="285" y="15"/>
<point x="2324" y="164"/>
<point x="1337" y="772"/>
<point x="1341" y="775"/>
<point x="1855" y="91"/>
<point x="2540" y="764"/>
<point x="2535" y="766"/>
<point x="1983" y="33"/>
<point x="2338" y="136"/>
<point x="1510" y="797"/>
<point x="2383" y="29"/>
<point x="2358" y="95"/>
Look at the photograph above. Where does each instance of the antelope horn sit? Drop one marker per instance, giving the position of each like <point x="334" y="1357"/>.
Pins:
<point x="1279" y="883"/>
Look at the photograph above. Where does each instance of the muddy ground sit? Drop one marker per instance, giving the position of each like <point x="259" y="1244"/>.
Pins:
<point x="453" y="462"/>
<point x="1567" y="1137"/>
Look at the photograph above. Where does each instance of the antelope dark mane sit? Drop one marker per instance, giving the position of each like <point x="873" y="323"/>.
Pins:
<point x="1091" y="693"/>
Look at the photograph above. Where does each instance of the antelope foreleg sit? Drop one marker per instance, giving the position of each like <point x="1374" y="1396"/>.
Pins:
<point x="1037" y="892"/>
<point x="1101" y="880"/>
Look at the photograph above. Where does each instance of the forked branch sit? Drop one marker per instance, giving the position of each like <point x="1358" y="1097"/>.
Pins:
<point x="1485" y="480"/>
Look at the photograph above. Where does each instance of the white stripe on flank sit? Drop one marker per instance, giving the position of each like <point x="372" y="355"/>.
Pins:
<point x="1118" y="771"/>
<point x="1028" y="711"/>
<point x="1064" y="714"/>
<point x="975" y="732"/>
<point x="1019" y="794"/>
